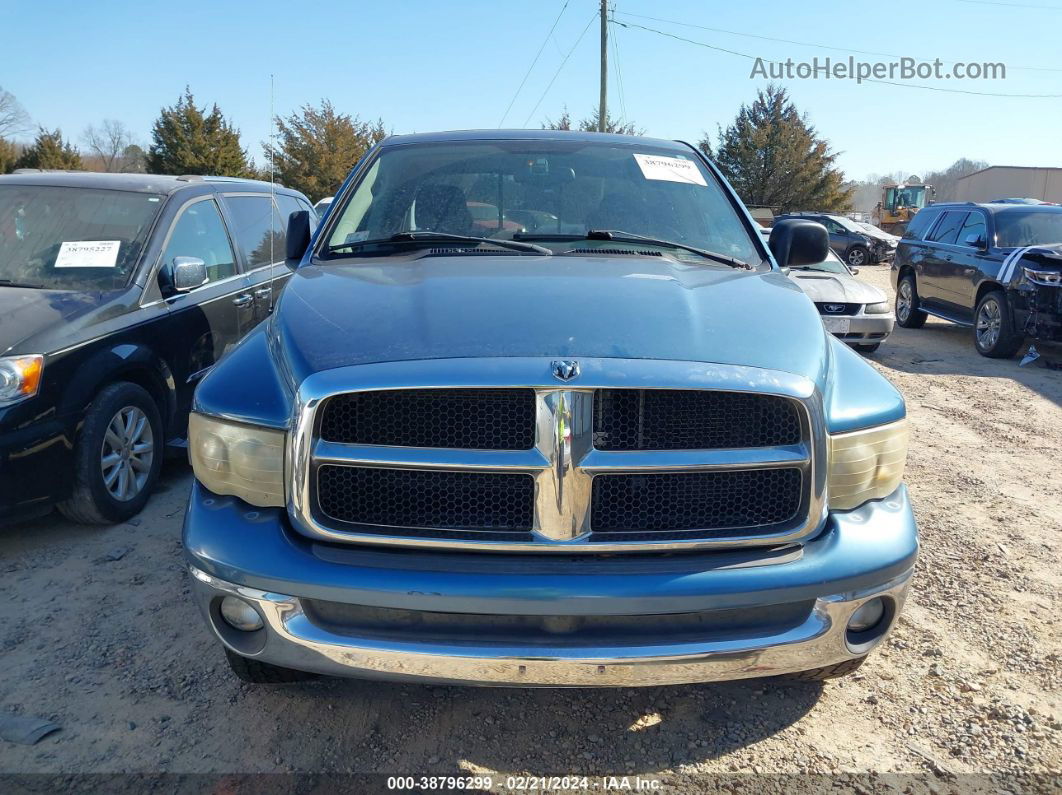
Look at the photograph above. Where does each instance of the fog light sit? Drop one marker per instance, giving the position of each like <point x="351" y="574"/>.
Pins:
<point x="240" y="615"/>
<point x="867" y="615"/>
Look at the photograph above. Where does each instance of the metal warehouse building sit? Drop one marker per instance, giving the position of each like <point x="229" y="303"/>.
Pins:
<point x="1003" y="182"/>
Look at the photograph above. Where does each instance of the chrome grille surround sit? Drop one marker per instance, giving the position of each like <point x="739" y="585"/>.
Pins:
<point x="563" y="461"/>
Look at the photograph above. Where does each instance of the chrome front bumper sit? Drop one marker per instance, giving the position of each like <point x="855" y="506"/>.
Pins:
<point x="292" y="640"/>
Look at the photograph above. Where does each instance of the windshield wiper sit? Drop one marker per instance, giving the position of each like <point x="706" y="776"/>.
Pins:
<point x="437" y="237"/>
<point x="13" y="283"/>
<point x="630" y="237"/>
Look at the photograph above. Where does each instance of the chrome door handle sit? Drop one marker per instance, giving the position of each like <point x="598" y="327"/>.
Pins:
<point x="265" y="292"/>
<point x="242" y="301"/>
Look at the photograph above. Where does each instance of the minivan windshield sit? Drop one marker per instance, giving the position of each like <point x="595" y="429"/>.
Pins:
<point x="66" y="238"/>
<point x="1028" y="228"/>
<point x="555" y="193"/>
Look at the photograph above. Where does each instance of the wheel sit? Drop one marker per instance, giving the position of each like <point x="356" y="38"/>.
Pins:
<point x="117" y="457"/>
<point x="857" y="256"/>
<point x="829" y="672"/>
<point x="259" y="673"/>
<point x="994" y="334"/>
<point x="908" y="315"/>
<point x="870" y="348"/>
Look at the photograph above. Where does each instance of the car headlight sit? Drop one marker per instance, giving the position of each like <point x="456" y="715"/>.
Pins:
<point x="866" y="465"/>
<point x="20" y="378"/>
<point x="880" y="308"/>
<point x="245" y="461"/>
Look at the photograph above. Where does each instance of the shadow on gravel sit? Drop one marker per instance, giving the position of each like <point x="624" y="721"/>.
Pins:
<point x="450" y="730"/>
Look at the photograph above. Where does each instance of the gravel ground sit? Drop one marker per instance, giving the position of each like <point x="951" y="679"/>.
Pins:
<point x="97" y="633"/>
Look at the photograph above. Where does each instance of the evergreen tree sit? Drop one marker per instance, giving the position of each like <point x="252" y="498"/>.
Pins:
<point x="50" y="151"/>
<point x="9" y="151"/>
<point x="589" y="124"/>
<point x="188" y="140"/>
<point x="317" y="148"/>
<point x="773" y="157"/>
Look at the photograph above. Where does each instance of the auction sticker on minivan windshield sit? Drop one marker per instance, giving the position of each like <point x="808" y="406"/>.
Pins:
<point x="672" y="169"/>
<point x="88" y="254"/>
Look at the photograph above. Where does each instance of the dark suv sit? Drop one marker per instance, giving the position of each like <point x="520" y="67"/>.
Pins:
<point x="117" y="294"/>
<point x="995" y="267"/>
<point x="848" y="241"/>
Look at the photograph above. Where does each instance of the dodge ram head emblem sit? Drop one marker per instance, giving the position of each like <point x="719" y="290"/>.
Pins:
<point x="565" y="370"/>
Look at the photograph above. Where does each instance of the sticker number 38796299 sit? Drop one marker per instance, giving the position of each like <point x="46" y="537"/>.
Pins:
<point x="670" y="169"/>
<point x="88" y="254"/>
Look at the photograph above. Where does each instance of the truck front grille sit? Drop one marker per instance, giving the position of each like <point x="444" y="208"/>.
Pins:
<point x="425" y="499"/>
<point x="470" y="419"/>
<point x="553" y="468"/>
<point x="710" y="504"/>
<point x="691" y="419"/>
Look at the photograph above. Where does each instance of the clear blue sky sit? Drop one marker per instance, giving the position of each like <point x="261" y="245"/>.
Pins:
<point x="423" y="65"/>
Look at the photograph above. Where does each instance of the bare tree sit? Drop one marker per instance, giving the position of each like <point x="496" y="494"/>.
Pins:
<point x="13" y="117"/>
<point x="109" y="142"/>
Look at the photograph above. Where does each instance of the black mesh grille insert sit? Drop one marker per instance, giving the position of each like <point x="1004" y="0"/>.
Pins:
<point x="417" y="498"/>
<point x="715" y="503"/>
<point x="678" y="419"/>
<point x="829" y="308"/>
<point x="471" y="419"/>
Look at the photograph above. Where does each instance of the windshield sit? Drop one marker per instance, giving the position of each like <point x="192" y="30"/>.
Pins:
<point x="1028" y="228"/>
<point x="847" y="223"/>
<point x="72" y="238"/>
<point x="550" y="191"/>
<point x="832" y="264"/>
<point x="911" y="196"/>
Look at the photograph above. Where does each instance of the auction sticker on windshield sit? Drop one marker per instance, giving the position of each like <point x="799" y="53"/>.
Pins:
<point x="88" y="254"/>
<point x="671" y="169"/>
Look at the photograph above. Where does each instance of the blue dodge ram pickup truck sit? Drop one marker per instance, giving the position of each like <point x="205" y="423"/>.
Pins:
<point x="589" y="434"/>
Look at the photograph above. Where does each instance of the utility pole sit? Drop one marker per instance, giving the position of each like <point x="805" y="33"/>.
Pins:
<point x="602" y="102"/>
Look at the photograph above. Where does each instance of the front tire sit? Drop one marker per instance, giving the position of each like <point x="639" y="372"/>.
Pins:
<point x="256" y="672"/>
<point x="117" y="458"/>
<point x="857" y="256"/>
<point x="994" y="334"/>
<point x="908" y="315"/>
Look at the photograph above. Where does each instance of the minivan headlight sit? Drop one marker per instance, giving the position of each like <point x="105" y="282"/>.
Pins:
<point x="866" y="465"/>
<point x="245" y="461"/>
<point x="20" y="377"/>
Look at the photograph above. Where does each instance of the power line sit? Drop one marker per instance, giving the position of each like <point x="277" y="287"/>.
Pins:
<point x="865" y="80"/>
<point x="538" y="54"/>
<point x="1010" y="5"/>
<point x="812" y="44"/>
<point x="555" y="74"/>
<point x="619" y="73"/>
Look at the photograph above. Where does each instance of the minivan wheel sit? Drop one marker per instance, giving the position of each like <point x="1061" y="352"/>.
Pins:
<point x="994" y="334"/>
<point x="117" y="458"/>
<point x="858" y="256"/>
<point x="908" y="315"/>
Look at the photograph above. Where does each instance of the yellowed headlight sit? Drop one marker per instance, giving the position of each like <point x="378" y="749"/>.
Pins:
<point x="242" y="460"/>
<point x="866" y="465"/>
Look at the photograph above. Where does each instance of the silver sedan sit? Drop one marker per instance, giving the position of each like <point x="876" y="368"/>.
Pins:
<point x="853" y="311"/>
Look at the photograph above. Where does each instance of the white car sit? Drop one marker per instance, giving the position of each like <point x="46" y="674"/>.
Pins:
<point x="322" y="206"/>
<point x="853" y="311"/>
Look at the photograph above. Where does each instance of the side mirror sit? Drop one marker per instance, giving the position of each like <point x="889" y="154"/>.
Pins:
<point x="854" y="271"/>
<point x="975" y="240"/>
<point x="796" y="241"/>
<point x="298" y="236"/>
<point x="188" y="273"/>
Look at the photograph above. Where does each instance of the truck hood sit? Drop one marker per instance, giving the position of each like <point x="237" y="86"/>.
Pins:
<point x="26" y="313"/>
<point x="836" y="288"/>
<point x="649" y="307"/>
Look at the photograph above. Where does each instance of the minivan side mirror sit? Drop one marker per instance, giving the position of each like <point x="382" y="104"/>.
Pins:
<point x="298" y="236"/>
<point x="188" y="273"/>
<point x="797" y="241"/>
